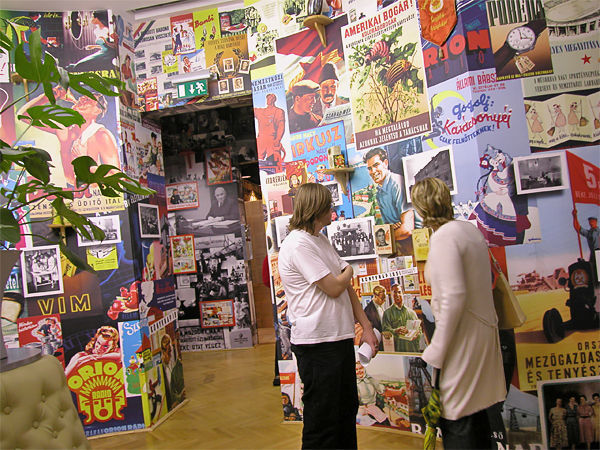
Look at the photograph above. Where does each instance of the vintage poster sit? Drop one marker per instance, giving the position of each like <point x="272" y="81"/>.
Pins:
<point x="468" y="47"/>
<point x="563" y="118"/>
<point x="270" y="111"/>
<point x="44" y="333"/>
<point x="196" y="339"/>
<point x="206" y="25"/>
<point x="575" y="41"/>
<point x="217" y="314"/>
<point x="557" y="341"/>
<point x="182" y="195"/>
<point x="388" y="91"/>
<point x="218" y="166"/>
<point x="131" y="340"/>
<point x="42" y="272"/>
<point x="316" y="80"/>
<point x="378" y="189"/>
<point x="102" y="257"/>
<point x="353" y="238"/>
<point x="264" y="26"/>
<point x="183" y="34"/>
<point x="519" y="39"/>
<point x="228" y="57"/>
<point x="183" y="254"/>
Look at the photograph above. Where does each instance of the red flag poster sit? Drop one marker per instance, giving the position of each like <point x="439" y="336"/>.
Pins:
<point x="585" y="177"/>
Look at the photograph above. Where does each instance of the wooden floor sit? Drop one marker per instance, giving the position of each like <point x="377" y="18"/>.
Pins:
<point x="233" y="405"/>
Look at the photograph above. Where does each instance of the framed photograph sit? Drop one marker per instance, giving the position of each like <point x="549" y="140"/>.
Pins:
<point x="228" y="65"/>
<point x="353" y="238"/>
<point x="410" y="282"/>
<point x="555" y="398"/>
<point x="218" y="166"/>
<point x="214" y="69"/>
<point x="281" y="228"/>
<point x="111" y="227"/>
<point x="541" y="172"/>
<point x="183" y="253"/>
<point x="244" y="66"/>
<point x="224" y="86"/>
<point x="42" y="271"/>
<point x="217" y="314"/>
<point x="182" y="195"/>
<point x="438" y="163"/>
<point x="384" y="242"/>
<point x="238" y="84"/>
<point x="336" y="192"/>
<point x="149" y="220"/>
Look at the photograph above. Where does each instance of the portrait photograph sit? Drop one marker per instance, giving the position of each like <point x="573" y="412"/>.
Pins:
<point x="353" y="238"/>
<point x="228" y="65"/>
<point x="567" y="411"/>
<point x="149" y="220"/>
<point x="217" y="314"/>
<point x="336" y="194"/>
<point x="183" y="254"/>
<point x="42" y="271"/>
<point x="218" y="166"/>
<point x="438" y="163"/>
<point x="384" y="241"/>
<point x="244" y="66"/>
<point x="183" y="195"/>
<point x="112" y="231"/>
<point x="541" y="173"/>
<point x="224" y="86"/>
<point x="238" y="84"/>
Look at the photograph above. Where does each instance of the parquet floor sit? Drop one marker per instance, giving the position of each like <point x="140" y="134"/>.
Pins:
<point x="233" y="405"/>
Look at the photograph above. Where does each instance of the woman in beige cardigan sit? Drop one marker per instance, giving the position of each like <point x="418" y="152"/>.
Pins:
<point x="465" y="346"/>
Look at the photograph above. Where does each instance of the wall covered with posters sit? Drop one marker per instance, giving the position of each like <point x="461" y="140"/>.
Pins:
<point x="501" y="104"/>
<point x="114" y="330"/>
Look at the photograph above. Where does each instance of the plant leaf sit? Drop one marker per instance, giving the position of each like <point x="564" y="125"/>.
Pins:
<point x="37" y="167"/>
<point x="80" y="82"/>
<point x="9" y="227"/>
<point x="53" y="116"/>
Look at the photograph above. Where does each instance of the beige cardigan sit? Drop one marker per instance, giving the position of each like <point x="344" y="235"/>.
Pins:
<point x="465" y="345"/>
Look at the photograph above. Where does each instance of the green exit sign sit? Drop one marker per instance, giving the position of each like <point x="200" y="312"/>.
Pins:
<point x="192" y="88"/>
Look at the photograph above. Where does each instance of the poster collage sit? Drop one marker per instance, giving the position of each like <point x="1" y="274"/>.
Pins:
<point x="396" y="106"/>
<point x="383" y="102"/>
<point x="158" y="288"/>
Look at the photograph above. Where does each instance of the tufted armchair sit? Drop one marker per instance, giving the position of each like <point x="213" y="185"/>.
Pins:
<point x="36" y="410"/>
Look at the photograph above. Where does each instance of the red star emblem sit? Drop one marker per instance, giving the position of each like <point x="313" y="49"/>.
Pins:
<point x="586" y="59"/>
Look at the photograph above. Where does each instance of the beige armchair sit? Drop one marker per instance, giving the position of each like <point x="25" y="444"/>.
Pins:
<point x="36" y="410"/>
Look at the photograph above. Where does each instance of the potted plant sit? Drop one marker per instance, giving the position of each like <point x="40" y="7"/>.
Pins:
<point x="30" y="181"/>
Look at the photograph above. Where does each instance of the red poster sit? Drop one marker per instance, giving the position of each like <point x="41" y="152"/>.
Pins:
<point x="584" y="180"/>
<point x="43" y="332"/>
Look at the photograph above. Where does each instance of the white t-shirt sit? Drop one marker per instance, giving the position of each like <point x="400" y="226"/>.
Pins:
<point x="315" y="316"/>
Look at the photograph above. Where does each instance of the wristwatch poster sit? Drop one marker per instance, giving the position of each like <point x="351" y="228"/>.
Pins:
<point x="521" y="49"/>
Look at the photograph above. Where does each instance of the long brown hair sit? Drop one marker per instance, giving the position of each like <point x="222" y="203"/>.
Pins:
<point x="311" y="201"/>
<point x="431" y="198"/>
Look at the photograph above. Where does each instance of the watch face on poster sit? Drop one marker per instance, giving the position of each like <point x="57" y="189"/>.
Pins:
<point x="521" y="39"/>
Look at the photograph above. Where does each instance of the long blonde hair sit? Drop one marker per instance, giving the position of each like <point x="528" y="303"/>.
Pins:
<point x="311" y="201"/>
<point x="431" y="198"/>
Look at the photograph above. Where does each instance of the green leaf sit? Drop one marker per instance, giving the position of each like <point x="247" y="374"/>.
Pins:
<point x="53" y="116"/>
<point x="81" y="166"/>
<point x="37" y="167"/>
<point x="5" y="42"/>
<point x="76" y="219"/>
<point x="39" y="67"/>
<point x="71" y="256"/>
<point x="9" y="227"/>
<point x="80" y="82"/>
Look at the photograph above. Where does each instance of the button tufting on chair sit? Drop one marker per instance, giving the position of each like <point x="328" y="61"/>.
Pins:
<point x="7" y="410"/>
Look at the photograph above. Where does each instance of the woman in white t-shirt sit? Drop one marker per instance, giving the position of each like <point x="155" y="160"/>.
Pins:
<point x="465" y="345"/>
<point x="322" y="307"/>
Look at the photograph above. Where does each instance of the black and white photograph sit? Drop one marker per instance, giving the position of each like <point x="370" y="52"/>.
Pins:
<point x="541" y="173"/>
<point x="383" y="239"/>
<point x="112" y="231"/>
<point x="568" y="411"/>
<point x="281" y="228"/>
<point x="353" y="238"/>
<point x="214" y="69"/>
<point x="42" y="271"/>
<point x="149" y="223"/>
<point x="244" y="66"/>
<point x="238" y="84"/>
<point x="334" y="188"/>
<point x="438" y="163"/>
<point x="223" y="86"/>
<point x="228" y="65"/>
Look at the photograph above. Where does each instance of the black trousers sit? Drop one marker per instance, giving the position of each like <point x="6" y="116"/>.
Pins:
<point x="330" y="395"/>
<point x="481" y="430"/>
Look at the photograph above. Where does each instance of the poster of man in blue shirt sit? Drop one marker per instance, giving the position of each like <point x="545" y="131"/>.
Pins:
<point x="391" y="198"/>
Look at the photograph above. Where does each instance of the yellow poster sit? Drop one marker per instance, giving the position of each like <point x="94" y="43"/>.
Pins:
<point x="420" y="237"/>
<point x="206" y="26"/>
<point x="102" y="257"/>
